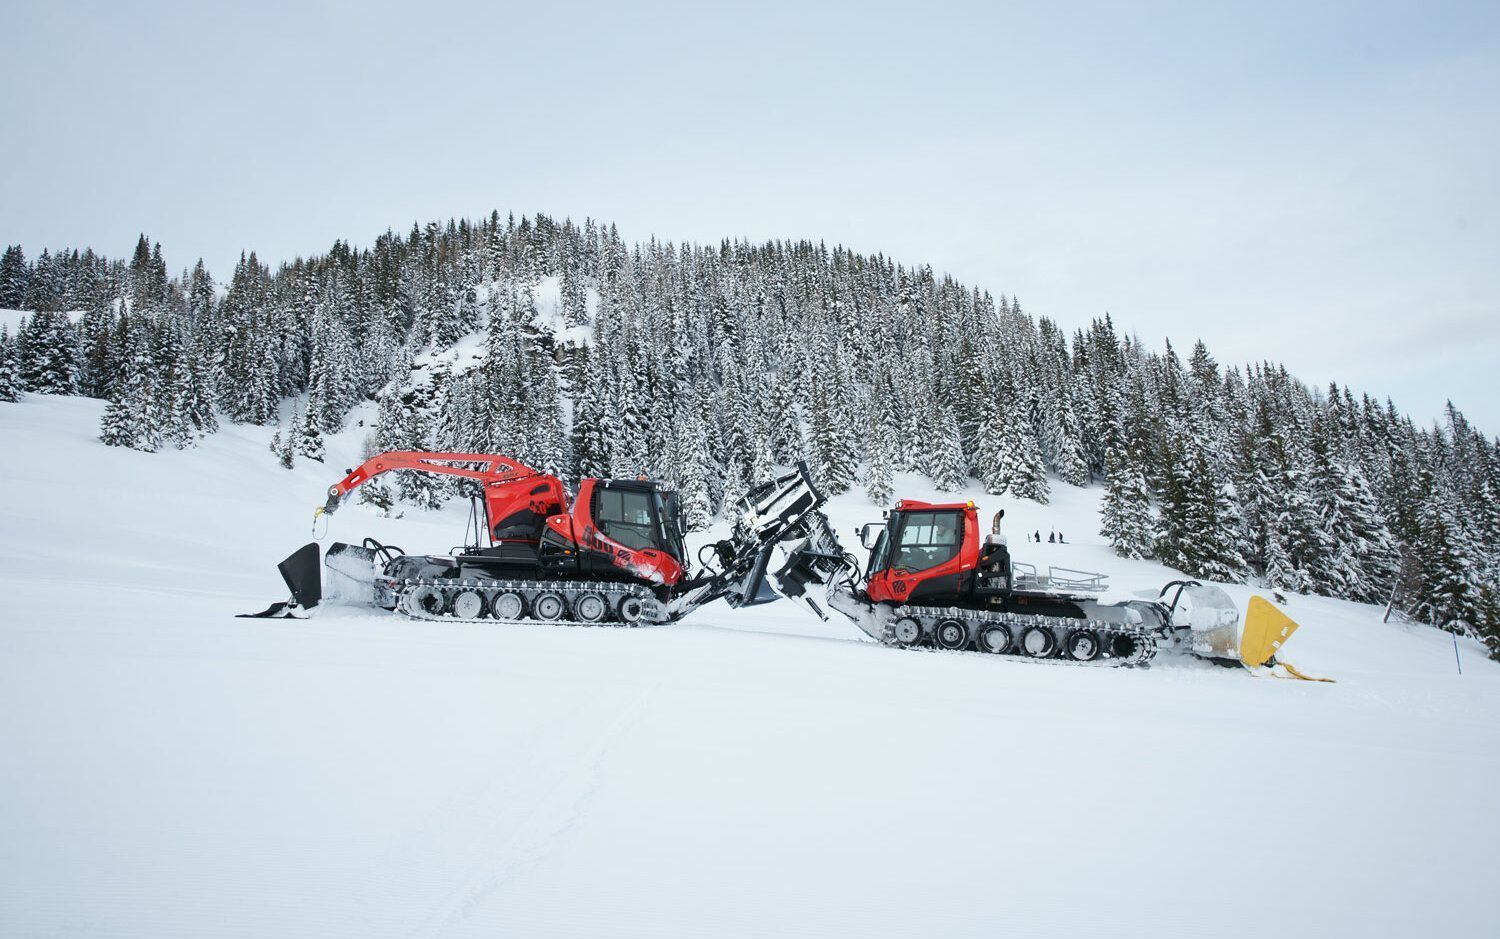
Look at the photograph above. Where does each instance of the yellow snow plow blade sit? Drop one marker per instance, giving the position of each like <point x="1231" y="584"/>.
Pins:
<point x="1266" y="630"/>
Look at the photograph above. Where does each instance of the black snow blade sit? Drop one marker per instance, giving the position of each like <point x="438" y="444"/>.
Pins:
<point x="274" y="611"/>
<point x="752" y="589"/>
<point x="301" y="571"/>
<point x="303" y="578"/>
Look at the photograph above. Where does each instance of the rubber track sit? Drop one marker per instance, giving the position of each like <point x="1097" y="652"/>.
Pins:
<point x="1017" y="623"/>
<point x="569" y="590"/>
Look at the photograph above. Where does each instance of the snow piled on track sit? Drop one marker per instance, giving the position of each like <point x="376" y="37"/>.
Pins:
<point x="171" y="771"/>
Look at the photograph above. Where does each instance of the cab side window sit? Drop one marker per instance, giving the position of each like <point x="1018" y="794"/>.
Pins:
<point x="625" y="516"/>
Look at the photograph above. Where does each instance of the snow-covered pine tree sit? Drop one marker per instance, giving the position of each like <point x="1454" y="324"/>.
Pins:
<point x="1216" y="549"/>
<point x="309" y="434"/>
<point x="96" y="364"/>
<point x="1359" y="561"/>
<point x="50" y="365"/>
<point x="117" y="426"/>
<point x="175" y="384"/>
<point x="829" y="443"/>
<point x="1174" y="494"/>
<point x="1448" y="570"/>
<point x="402" y="426"/>
<point x="1298" y="522"/>
<point x="199" y="394"/>
<point x="134" y="417"/>
<point x="14" y="275"/>
<point x="734" y="487"/>
<point x="1206" y="406"/>
<point x="785" y="416"/>
<point x="1279" y="572"/>
<point x="947" y="459"/>
<point x="1067" y="458"/>
<point x="1198" y="528"/>
<point x="285" y="445"/>
<point x="878" y="471"/>
<point x="250" y="383"/>
<point x="1125" y="510"/>
<point x="1054" y="418"/>
<point x="543" y="411"/>
<point x="10" y="378"/>
<point x="590" y="451"/>
<point x="697" y="495"/>
<point x="42" y="294"/>
<point x="1009" y="459"/>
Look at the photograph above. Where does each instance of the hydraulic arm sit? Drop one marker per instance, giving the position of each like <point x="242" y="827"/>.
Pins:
<point x="487" y="468"/>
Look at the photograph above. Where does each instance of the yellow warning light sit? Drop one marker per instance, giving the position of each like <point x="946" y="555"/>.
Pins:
<point x="971" y="503"/>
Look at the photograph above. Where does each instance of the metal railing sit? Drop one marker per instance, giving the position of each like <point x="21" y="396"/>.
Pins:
<point x="1026" y="577"/>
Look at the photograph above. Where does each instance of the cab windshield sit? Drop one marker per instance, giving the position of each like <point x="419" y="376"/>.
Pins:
<point x="927" y="539"/>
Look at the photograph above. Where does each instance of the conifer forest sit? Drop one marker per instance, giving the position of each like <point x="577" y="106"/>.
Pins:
<point x="707" y="365"/>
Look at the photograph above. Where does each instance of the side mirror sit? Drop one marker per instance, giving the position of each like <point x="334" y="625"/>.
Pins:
<point x="865" y="537"/>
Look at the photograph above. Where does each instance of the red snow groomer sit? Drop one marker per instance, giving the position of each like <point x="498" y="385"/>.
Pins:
<point x="932" y="580"/>
<point x="612" y="553"/>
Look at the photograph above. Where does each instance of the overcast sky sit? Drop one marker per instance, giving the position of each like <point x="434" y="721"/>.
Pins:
<point x="1314" y="183"/>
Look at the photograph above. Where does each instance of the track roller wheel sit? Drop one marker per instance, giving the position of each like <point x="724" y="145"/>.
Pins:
<point x="994" y="639"/>
<point x="630" y="610"/>
<point x="425" y="601"/>
<point x="590" y="608"/>
<point x="1038" y="642"/>
<point x="548" y="607"/>
<point x="508" y="605"/>
<point x="1083" y="646"/>
<point x="951" y="634"/>
<point x="467" y="604"/>
<point x="906" y="631"/>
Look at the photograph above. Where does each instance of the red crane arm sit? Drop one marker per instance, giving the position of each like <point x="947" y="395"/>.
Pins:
<point x="485" y="467"/>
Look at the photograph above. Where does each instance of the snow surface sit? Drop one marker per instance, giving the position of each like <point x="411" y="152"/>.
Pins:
<point x="547" y="295"/>
<point x="169" y="770"/>
<point x="10" y="320"/>
<point x="470" y="350"/>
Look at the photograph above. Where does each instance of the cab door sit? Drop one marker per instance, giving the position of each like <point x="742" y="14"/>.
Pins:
<point x="925" y="557"/>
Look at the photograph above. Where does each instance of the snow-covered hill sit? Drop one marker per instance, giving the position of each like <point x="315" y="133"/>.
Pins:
<point x="169" y="770"/>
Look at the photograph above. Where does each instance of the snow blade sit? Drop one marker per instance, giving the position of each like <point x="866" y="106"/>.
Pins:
<point x="1219" y="633"/>
<point x="351" y="573"/>
<point x="1266" y="630"/>
<point x="811" y="567"/>
<point x="281" y="610"/>
<point x="770" y="513"/>
<point x="751" y="589"/>
<point x="303" y="579"/>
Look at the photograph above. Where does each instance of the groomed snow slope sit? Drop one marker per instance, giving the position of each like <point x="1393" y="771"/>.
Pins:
<point x="169" y="770"/>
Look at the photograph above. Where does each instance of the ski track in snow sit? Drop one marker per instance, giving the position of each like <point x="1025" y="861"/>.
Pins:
<point x="169" y="770"/>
